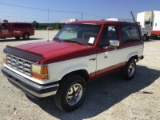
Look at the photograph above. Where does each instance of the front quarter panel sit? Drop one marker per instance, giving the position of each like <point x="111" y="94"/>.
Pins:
<point x="59" y="69"/>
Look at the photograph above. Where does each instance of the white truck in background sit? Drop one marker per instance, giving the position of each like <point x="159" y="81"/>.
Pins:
<point x="150" y="20"/>
<point x="72" y="20"/>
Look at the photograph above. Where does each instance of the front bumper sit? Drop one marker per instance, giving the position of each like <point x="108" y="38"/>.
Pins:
<point x="29" y="87"/>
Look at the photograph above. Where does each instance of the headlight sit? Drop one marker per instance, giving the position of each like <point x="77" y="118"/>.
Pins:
<point x="40" y="72"/>
<point x="4" y="57"/>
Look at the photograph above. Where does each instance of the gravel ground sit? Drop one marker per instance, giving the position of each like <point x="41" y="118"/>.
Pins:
<point x="108" y="98"/>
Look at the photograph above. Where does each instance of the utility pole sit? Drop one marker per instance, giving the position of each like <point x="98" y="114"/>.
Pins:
<point x="81" y="15"/>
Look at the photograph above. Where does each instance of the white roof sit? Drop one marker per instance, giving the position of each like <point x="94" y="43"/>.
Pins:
<point x="120" y="19"/>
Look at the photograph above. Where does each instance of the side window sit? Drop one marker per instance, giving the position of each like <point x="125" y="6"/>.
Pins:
<point x="5" y="26"/>
<point x="18" y="25"/>
<point x="109" y="33"/>
<point x="130" y="33"/>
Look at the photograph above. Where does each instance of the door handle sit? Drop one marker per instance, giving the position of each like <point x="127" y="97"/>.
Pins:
<point x="93" y="59"/>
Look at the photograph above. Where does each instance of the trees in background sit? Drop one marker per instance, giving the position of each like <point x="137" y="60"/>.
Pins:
<point x="44" y="26"/>
<point x="35" y="24"/>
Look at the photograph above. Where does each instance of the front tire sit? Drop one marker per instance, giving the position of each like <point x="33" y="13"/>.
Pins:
<point x="71" y="93"/>
<point x="129" y="70"/>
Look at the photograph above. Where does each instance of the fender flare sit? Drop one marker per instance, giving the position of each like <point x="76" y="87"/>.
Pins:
<point x="71" y="69"/>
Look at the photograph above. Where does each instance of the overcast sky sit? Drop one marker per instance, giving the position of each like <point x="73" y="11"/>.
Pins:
<point x="62" y="10"/>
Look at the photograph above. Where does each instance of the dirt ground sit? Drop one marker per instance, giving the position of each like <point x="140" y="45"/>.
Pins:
<point x="108" y="98"/>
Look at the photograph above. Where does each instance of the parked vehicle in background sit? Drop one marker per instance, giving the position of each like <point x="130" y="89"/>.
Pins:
<point x="150" y="20"/>
<point x="72" y="20"/>
<point x="49" y="28"/>
<point x="82" y="51"/>
<point x="145" y="33"/>
<point x="16" y="29"/>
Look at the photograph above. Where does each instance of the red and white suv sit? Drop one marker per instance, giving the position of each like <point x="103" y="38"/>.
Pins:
<point x="80" y="52"/>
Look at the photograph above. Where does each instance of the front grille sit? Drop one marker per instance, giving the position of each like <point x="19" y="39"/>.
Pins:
<point x="19" y="64"/>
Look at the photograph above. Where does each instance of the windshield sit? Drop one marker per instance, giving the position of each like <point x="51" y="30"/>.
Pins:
<point x="79" y="33"/>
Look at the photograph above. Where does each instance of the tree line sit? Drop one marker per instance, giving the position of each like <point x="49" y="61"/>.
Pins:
<point x="44" y="26"/>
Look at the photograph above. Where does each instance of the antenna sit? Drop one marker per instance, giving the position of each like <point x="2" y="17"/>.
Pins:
<point x="133" y="17"/>
<point x="48" y="24"/>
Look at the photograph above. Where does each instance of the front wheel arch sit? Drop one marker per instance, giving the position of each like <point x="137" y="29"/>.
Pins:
<point x="82" y="73"/>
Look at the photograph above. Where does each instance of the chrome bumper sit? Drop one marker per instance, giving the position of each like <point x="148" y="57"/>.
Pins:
<point x="29" y="87"/>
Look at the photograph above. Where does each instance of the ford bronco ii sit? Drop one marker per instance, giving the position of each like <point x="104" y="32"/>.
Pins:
<point x="80" y="52"/>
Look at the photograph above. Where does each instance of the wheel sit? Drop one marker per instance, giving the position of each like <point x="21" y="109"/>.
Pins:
<point x="71" y="93"/>
<point x="129" y="69"/>
<point x="145" y="37"/>
<point x="26" y="36"/>
<point x="17" y="38"/>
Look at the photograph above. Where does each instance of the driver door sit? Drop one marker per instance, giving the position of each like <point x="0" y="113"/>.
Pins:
<point x="5" y="30"/>
<point x="108" y="57"/>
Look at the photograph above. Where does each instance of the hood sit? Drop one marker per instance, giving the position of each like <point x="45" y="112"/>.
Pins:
<point x="53" y="51"/>
<point x="46" y="49"/>
<point x="50" y="48"/>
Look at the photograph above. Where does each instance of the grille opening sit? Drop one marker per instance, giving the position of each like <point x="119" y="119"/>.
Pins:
<point x="19" y="64"/>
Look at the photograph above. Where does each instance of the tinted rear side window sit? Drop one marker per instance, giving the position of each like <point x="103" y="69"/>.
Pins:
<point x="21" y="25"/>
<point x="130" y="32"/>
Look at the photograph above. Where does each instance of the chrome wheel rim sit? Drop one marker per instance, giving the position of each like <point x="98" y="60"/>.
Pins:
<point x="74" y="94"/>
<point x="131" y="69"/>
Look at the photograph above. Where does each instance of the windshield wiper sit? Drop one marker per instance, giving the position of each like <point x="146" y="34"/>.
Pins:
<point x="72" y="41"/>
<point x="57" y="39"/>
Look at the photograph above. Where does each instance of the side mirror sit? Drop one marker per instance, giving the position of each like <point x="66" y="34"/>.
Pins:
<point x="114" y="43"/>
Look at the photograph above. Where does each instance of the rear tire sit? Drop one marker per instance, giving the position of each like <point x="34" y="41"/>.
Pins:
<point x="129" y="70"/>
<point x="145" y="37"/>
<point x="26" y="36"/>
<point x="71" y="93"/>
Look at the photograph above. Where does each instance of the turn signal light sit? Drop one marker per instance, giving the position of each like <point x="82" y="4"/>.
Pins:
<point x="40" y="72"/>
<point x="40" y="76"/>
